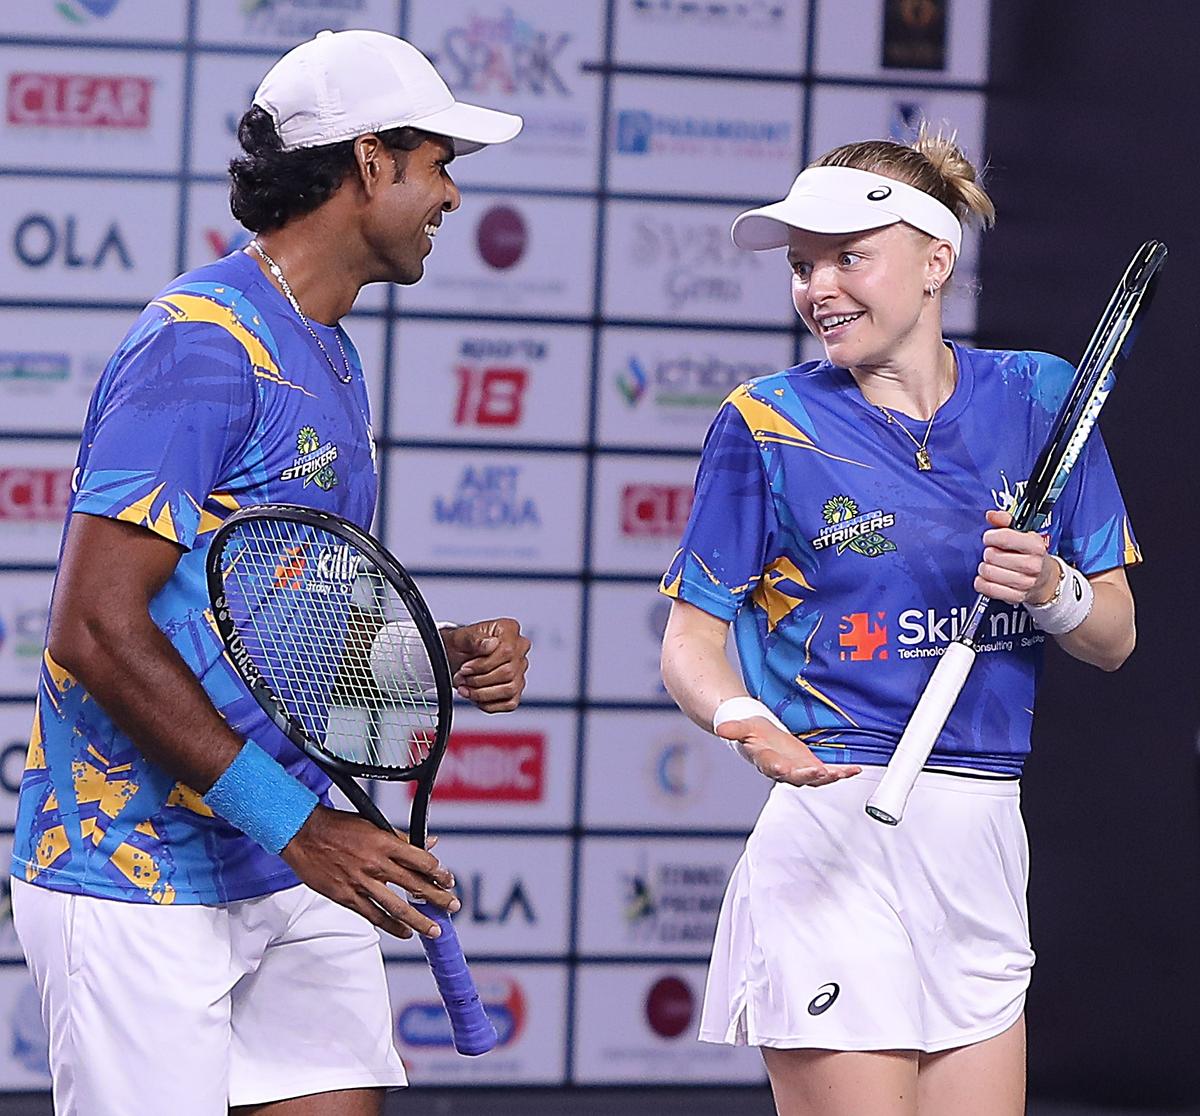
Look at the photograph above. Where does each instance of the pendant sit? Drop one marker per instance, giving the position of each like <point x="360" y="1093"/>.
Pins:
<point x="924" y="461"/>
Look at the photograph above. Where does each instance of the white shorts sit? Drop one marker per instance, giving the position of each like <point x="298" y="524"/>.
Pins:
<point x="189" y="1009"/>
<point x="839" y="933"/>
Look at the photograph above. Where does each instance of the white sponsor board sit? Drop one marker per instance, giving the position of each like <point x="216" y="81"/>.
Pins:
<point x="488" y="511"/>
<point x="68" y="109"/>
<point x="281" y="24"/>
<point x="526" y="58"/>
<point x="213" y="232"/>
<point x="639" y="511"/>
<point x="16" y="720"/>
<point x="850" y="38"/>
<point x="24" y="608"/>
<point x="653" y="897"/>
<point x="224" y="88"/>
<point x="24" y="1057"/>
<point x="650" y="769"/>
<point x="84" y="20"/>
<point x="527" y="1004"/>
<point x="50" y="361"/>
<point x="501" y="253"/>
<point x="488" y="382"/>
<point x="10" y="945"/>
<point x="106" y="240"/>
<point x="507" y="771"/>
<point x="514" y="893"/>
<point x="625" y="631"/>
<point x="636" y="1023"/>
<point x="664" y="388"/>
<point x="35" y="488"/>
<point x="709" y="138"/>
<point x="548" y="612"/>
<point x="368" y="333"/>
<point x="673" y="262"/>
<point x="757" y="35"/>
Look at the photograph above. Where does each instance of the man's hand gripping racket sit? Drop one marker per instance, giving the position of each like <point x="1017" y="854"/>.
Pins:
<point x="1109" y="346"/>
<point x="334" y="641"/>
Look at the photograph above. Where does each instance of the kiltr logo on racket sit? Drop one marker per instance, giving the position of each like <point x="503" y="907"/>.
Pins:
<point x="824" y="999"/>
<point x="314" y="465"/>
<point x="849" y="529"/>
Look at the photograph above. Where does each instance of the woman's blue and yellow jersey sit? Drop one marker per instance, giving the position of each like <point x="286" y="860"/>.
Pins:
<point x="846" y="571"/>
<point x="217" y="398"/>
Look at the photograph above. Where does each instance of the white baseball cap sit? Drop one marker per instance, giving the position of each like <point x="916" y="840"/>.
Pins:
<point x="343" y="84"/>
<point x="845" y="200"/>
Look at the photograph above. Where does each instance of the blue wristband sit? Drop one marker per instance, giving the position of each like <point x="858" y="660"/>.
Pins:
<point x="255" y="794"/>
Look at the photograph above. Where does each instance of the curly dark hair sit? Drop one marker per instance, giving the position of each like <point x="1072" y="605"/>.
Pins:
<point x="270" y="186"/>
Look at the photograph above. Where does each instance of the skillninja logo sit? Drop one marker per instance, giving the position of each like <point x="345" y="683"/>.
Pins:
<point x="847" y="528"/>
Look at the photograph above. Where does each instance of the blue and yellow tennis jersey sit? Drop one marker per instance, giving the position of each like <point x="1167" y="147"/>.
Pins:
<point x="217" y="398"/>
<point x="846" y="571"/>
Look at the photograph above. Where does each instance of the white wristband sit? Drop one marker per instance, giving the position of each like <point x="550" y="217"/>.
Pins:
<point x="741" y="709"/>
<point x="1069" y="607"/>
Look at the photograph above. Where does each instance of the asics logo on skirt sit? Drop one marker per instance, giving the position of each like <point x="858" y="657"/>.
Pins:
<point x="824" y="998"/>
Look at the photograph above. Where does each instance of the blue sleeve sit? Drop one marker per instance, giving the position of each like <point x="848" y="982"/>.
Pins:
<point x="167" y="429"/>
<point x="1093" y="530"/>
<point x="731" y="526"/>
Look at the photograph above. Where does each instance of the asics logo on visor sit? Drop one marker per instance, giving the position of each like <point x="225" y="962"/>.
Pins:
<point x="879" y="193"/>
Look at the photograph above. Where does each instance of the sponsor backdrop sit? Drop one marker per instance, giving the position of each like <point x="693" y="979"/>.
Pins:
<point x="540" y="399"/>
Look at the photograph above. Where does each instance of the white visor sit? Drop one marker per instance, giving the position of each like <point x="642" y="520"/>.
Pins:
<point x="845" y="200"/>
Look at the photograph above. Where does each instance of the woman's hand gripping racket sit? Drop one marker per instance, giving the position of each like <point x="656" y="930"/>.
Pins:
<point x="334" y="641"/>
<point x="1097" y="374"/>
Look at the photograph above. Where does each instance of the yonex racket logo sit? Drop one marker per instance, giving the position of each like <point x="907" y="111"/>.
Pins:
<point x="824" y="999"/>
<point x="879" y="193"/>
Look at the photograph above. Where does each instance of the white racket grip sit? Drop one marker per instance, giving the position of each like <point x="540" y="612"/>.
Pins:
<point x="887" y="804"/>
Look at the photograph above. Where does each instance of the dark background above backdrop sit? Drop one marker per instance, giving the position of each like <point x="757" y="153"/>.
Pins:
<point x="1092" y="131"/>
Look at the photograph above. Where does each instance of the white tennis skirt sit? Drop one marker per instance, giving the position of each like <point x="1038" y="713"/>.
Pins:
<point x="840" y="933"/>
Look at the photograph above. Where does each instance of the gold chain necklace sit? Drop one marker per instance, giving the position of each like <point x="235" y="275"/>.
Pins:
<point x="924" y="461"/>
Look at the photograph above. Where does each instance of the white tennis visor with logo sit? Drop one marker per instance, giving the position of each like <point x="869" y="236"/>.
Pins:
<point x="844" y="200"/>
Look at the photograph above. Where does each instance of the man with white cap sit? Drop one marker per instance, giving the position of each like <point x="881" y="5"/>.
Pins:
<point x="200" y="923"/>
<point x="845" y="511"/>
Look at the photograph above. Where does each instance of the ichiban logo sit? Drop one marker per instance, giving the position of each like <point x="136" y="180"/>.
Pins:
<point x="109" y="101"/>
<point x="849" y="529"/>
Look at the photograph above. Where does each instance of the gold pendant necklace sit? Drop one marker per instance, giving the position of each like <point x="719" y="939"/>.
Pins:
<point x="924" y="461"/>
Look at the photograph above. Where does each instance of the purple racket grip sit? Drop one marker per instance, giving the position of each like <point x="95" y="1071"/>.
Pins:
<point x="473" y="1030"/>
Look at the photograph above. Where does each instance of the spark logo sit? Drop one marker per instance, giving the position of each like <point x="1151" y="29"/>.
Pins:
<point x="862" y="637"/>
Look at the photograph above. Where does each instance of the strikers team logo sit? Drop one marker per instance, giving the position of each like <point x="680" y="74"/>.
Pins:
<point x="847" y="528"/>
<point x="315" y="463"/>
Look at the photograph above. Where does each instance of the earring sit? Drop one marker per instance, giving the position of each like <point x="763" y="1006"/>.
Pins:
<point x="932" y="289"/>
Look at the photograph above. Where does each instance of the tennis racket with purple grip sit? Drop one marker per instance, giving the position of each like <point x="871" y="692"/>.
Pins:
<point x="334" y="641"/>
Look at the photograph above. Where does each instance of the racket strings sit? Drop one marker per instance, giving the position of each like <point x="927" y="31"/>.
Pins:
<point x="334" y="641"/>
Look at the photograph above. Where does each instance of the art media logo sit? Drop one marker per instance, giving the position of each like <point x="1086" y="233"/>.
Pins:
<point x="488" y="498"/>
<point x="86" y="101"/>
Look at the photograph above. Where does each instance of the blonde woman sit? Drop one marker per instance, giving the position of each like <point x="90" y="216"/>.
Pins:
<point x="845" y="511"/>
